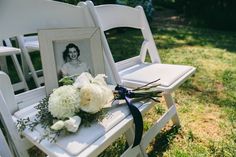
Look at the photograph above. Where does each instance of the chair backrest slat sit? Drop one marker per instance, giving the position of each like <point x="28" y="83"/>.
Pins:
<point x="27" y="16"/>
<point x="114" y="16"/>
<point x="4" y="148"/>
<point x="8" y="93"/>
<point x="120" y="17"/>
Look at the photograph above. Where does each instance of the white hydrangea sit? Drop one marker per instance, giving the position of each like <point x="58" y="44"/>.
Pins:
<point x="64" y="102"/>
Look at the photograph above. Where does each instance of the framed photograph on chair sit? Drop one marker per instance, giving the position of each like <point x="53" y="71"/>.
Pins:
<point x="69" y="52"/>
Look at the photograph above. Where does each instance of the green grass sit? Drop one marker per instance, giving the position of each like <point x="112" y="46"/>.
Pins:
<point x="206" y="102"/>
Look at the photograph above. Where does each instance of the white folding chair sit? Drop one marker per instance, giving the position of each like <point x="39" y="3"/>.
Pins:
<point x="57" y="15"/>
<point x="135" y="72"/>
<point x="4" y="148"/>
<point x="54" y="15"/>
<point x="8" y="105"/>
<point x="27" y="45"/>
<point x="10" y="51"/>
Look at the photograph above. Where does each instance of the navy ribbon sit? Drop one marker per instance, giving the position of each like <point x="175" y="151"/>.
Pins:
<point x="123" y="93"/>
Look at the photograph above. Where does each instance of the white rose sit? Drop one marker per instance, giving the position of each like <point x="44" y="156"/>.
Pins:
<point x="58" y="125"/>
<point x="83" y="79"/>
<point x="108" y="96"/>
<point x="94" y="97"/>
<point x="91" y="98"/>
<point x="100" y="79"/>
<point x="73" y="123"/>
<point x="64" y="102"/>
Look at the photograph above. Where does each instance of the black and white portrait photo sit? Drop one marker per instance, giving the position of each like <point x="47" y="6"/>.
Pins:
<point x="73" y="58"/>
<point x="73" y="64"/>
<point x="70" y="52"/>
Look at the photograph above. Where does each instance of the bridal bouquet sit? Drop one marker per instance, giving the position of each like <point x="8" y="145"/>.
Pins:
<point x="74" y="103"/>
<point x="82" y="102"/>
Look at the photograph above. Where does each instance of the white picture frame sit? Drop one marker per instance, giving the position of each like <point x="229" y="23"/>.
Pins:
<point x="53" y="43"/>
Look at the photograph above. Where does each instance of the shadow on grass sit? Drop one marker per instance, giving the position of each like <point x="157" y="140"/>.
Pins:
<point x="172" y="37"/>
<point x="163" y="140"/>
<point x="211" y="95"/>
<point x="126" y="42"/>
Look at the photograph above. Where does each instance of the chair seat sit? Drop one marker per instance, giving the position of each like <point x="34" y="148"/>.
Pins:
<point x="74" y="144"/>
<point x="145" y="73"/>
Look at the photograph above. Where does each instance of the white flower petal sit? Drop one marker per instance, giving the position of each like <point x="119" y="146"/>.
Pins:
<point x="58" y="125"/>
<point x="73" y="123"/>
<point x="100" y="79"/>
<point x="83" y="79"/>
<point x="108" y="96"/>
<point x="64" y="102"/>
<point x="91" y="98"/>
<point x="94" y="97"/>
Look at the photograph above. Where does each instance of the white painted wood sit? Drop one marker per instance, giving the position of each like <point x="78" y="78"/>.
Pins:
<point x="114" y="70"/>
<point x="130" y="134"/>
<point x="19" y="71"/>
<point x="134" y="72"/>
<point x="10" y="51"/>
<point x="58" y="15"/>
<point x="103" y="142"/>
<point x="121" y="18"/>
<point x="4" y="148"/>
<point x="132" y="152"/>
<point x="160" y="123"/>
<point x="27" y="45"/>
<point x="100" y="13"/>
<point x="54" y="15"/>
<point x="170" y="103"/>
<point x="30" y="97"/>
<point x="11" y="128"/>
<point x="3" y="64"/>
<point x="143" y="51"/>
<point x="48" y="36"/>
<point x="8" y="92"/>
<point x="55" y="150"/>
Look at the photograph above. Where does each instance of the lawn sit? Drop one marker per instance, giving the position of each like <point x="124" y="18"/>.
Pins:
<point x="206" y="102"/>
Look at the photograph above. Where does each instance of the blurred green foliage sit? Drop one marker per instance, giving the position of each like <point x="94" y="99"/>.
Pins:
<point x="146" y="4"/>
<point x="218" y="14"/>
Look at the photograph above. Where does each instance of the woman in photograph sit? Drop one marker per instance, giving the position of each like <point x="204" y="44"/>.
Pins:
<point x="73" y="65"/>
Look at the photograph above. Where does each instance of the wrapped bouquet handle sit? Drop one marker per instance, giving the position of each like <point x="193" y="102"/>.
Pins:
<point x="128" y="95"/>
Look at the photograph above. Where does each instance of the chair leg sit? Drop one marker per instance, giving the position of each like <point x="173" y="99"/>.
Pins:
<point x="25" y="67"/>
<point x="3" y="64"/>
<point x="170" y="102"/>
<point x="14" y="139"/>
<point x="4" y="147"/>
<point x="129" y="134"/>
<point x="19" y="71"/>
<point x="31" y="67"/>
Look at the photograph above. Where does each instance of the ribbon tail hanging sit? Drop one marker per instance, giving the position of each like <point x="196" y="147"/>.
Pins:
<point x="138" y="121"/>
